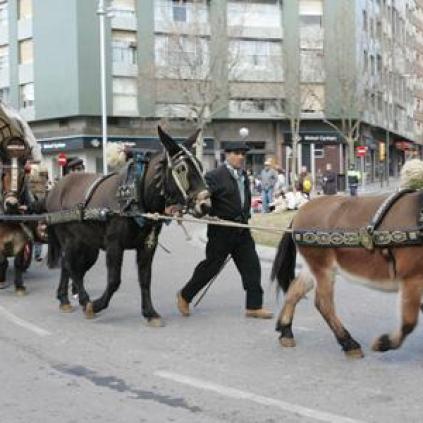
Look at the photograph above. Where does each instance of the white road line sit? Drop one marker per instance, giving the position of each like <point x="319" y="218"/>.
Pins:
<point x="23" y="323"/>
<point x="249" y="396"/>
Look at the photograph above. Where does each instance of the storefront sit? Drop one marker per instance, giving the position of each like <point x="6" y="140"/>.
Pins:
<point x="315" y="150"/>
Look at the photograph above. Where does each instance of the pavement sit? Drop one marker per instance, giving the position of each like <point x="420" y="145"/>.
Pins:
<point x="214" y="366"/>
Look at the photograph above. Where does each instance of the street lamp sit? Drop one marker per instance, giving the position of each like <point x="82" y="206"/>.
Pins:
<point x="102" y="12"/>
<point x="243" y="133"/>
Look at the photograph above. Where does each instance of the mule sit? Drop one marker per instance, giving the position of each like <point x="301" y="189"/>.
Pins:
<point x="172" y="178"/>
<point x="394" y="268"/>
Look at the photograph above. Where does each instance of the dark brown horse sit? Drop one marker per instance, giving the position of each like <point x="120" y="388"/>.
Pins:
<point x="392" y="268"/>
<point x="172" y="178"/>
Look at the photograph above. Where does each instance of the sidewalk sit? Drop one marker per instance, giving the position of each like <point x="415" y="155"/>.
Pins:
<point x="376" y="188"/>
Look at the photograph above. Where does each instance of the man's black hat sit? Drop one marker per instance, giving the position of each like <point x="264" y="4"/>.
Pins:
<point x="77" y="161"/>
<point x="235" y="146"/>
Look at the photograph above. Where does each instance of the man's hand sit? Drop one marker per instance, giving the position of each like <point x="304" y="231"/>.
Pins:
<point x="173" y="210"/>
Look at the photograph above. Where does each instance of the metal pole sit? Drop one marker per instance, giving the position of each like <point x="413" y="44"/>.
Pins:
<point x="101" y="11"/>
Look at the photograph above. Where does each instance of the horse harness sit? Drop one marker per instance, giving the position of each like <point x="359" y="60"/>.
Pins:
<point x="368" y="237"/>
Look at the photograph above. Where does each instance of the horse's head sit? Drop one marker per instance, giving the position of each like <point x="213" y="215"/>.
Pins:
<point x="14" y="153"/>
<point x="184" y="181"/>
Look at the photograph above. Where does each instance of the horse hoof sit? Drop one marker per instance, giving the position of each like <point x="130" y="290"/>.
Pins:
<point x="287" y="342"/>
<point x="382" y="344"/>
<point x="356" y="353"/>
<point x="66" y="308"/>
<point x="156" y="322"/>
<point x="89" y="311"/>
<point x="20" y="292"/>
<point x="4" y="285"/>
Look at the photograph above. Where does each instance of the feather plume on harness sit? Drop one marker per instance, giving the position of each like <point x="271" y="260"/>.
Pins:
<point x="116" y="156"/>
<point x="412" y="174"/>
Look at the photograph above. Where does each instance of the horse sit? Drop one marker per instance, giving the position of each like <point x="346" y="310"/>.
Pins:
<point x="14" y="199"/>
<point x="173" y="179"/>
<point x="391" y="265"/>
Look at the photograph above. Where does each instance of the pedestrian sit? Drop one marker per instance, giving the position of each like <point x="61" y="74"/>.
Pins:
<point x="269" y="178"/>
<point x="231" y="199"/>
<point x="329" y="181"/>
<point x="75" y="164"/>
<point x="305" y="183"/>
<point x="280" y="185"/>
<point x="353" y="177"/>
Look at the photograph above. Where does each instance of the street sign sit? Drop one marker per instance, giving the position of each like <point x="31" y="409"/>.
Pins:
<point x="62" y="159"/>
<point x="361" y="151"/>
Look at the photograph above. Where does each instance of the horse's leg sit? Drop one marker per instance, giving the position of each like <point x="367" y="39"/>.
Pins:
<point x="62" y="291"/>
<point x="145" y="255"/>
<point x="410" y="294"/>
<point x="114" y="258"/>
<point x="324" y="302"/>
<point x="19" y="265"/>
<point x="297" y="290"/>
<point x="75" y="259"/>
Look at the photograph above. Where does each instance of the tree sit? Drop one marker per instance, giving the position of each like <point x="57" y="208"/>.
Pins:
<point x="196" y="65"/>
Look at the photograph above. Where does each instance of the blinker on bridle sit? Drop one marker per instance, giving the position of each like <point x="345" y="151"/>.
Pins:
<point x="180" y="170"/>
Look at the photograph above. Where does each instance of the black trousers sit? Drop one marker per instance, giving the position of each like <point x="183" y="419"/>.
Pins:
<point x="240" y="245"/>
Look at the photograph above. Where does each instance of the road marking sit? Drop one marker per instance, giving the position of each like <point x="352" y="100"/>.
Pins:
<point x="249" y="396"/>
<point x="23" y="323"/>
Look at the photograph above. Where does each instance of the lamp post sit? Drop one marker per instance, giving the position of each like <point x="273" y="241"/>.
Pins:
<point x="102" y="13"/>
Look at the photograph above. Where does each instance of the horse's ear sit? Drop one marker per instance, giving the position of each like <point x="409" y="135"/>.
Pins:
<point x="189" y="142"/>
<point x="168" y="142"/>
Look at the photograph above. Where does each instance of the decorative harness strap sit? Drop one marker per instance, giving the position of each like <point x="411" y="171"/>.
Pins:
<point x="368" y="237"/>
<point x="92" y="188"/>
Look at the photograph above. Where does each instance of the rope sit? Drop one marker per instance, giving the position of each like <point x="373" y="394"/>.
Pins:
<point x="216" y="222"/>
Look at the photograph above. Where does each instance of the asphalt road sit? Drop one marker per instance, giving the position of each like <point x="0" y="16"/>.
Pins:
<point x="215" y="366"/>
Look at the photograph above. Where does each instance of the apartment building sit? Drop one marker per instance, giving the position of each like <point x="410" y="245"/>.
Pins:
<point x="224" y="65"/>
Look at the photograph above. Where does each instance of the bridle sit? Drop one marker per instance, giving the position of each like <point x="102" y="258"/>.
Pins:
<point x="179" y="170"/>
<point x="16" y="180"/>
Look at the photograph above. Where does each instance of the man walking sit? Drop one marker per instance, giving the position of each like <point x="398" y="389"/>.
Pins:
<point x="329" y="181"/>
<point x="231" y="199"/>
<point x="269" y="178"/>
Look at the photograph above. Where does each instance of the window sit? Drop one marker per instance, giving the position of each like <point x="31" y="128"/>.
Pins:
<point x="364" y="20"/>
<point x="123" y="8"/>
<point x="125" y="92"/>
<point x="4" y="57"/>
<point x="26" y="92"/>
<point x="24" y="9"/>
<point x="4" y="13"/>
<point x="4" y="94"/>
<point x="257" y="106"/>
<point x="26" y="51"/>
<point x="124" y="47"/>
<point x="182" y="57"/>
<point x="312" y="65"/>
<point x="179" y="11"/>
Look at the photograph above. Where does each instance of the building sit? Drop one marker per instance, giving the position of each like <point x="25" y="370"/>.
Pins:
<point x="221" y="65"/>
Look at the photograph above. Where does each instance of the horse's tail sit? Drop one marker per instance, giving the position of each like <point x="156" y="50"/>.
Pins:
<point x="284" y="264"/>
<point x="54" y="249"/>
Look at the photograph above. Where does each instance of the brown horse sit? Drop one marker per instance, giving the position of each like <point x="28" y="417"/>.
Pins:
<point x="14" y="199"/>
<point x="391" y="268"/>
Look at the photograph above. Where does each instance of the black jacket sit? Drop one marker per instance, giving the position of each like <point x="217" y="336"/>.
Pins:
<point x="225" y="198"/>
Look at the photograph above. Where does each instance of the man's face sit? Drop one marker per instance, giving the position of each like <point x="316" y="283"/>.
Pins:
<point x="236" y="159"/>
